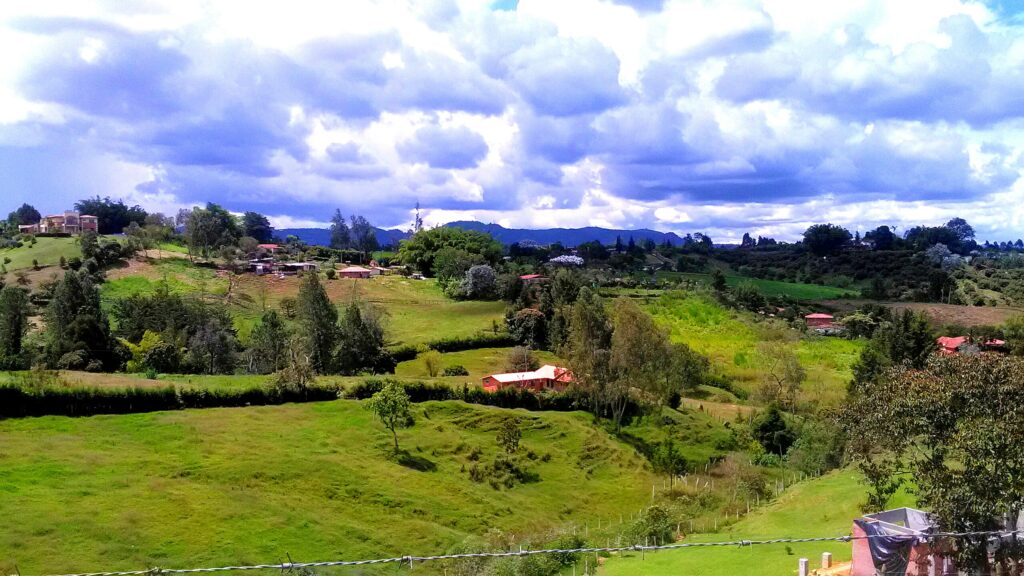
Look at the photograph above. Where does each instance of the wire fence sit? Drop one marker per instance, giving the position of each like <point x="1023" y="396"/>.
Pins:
<point x="412" y="560"/>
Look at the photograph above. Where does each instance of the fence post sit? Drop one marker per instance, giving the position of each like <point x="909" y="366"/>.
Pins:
<point x="803" y="567"/>
<point x="826" y="560"/>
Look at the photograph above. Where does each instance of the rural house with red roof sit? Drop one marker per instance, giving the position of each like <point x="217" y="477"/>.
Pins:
<point x="546" y="377"/>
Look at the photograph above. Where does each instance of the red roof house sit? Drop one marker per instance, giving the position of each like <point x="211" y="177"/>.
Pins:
<point x="354" y="272"/>
<point x="950" y="344"/>
<point x="546" y="377"/>
<point x="268" y="247"/>
<point x="819" y="320"/>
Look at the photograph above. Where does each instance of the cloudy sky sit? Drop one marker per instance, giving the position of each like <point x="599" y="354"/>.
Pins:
<point x="720" y="117"/>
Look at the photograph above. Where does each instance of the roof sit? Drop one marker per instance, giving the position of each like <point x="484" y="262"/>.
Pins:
<point x="355" y="269"/>
<point x="531" y="276"/>
<point x="819" y="316"/>
<point x="950" y="342"/>
<point x="270" y="246"/>
<point x="545" y="372"/>
<point x="995" y="342"/>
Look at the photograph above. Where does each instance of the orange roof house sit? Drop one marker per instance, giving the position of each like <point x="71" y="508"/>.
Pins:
<point x="546" y="377"/>
<point x="819" y="320"/>
<point x="950" y="344"/>
<point x="354" y="272"/>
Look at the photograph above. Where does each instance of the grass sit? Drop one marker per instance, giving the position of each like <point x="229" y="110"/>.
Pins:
<point x="315" y="481"/>
<point x="730" y="339"/>
<point x="47" y="252"/>
<point x="478" y="363"/>
<point x="771" y="288"/>
<point x="824" y="506"/>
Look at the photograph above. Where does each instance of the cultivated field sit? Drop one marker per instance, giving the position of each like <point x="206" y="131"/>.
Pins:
<point x="942" y="314"/>
<point x="770" y="288"/>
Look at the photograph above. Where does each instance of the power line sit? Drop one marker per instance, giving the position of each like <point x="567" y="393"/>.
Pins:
<point x="410" y="560"/>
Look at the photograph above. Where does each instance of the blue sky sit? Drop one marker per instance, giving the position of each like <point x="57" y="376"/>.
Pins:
<point x="722" y="117"/>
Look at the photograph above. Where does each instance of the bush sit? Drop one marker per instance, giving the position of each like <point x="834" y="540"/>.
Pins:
<point x="456" y="370"/>
<point x="485" y="340"/>
<point x="404" y="353"/>
<point x="432" y="362"/>
<point x="654" y="526"/>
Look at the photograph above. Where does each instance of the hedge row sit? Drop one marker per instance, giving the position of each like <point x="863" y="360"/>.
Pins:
<point x="17" y="403"/>
<point x="569" y="401"/>
<point x="485" y="340"/>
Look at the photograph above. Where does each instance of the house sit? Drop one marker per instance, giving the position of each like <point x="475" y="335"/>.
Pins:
<point x="892" y="542"/>
<point x="533" y="278"/>
<point x="70" y="222"/>
<point x="271" y="248"/>
<point x="546" y="377"/>
<point x="820" y="320"/>
<point x="950" y="345"/>
<point x="294" y="267"/>
<point x="354" y="272"/>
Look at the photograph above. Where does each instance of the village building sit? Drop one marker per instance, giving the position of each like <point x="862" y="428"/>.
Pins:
<point x="533" y="278"/>
<point x="820" y="320"/>
<point x="295" y="267"/>
<point x="546" y="377"/>
<point x="271" y="248"/>
<point x="354" y="272"/>
<point x="951" y="344"/>
<point x="895" y="542"/>
<point x="70" y="222"/>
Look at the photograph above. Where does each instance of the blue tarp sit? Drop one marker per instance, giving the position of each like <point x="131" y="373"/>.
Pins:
<point x="890" y="552"/>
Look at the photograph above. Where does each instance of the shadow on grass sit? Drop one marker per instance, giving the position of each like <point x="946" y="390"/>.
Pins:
<point x="414" y="462"/>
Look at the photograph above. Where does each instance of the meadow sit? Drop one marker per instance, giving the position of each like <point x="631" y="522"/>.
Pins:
<point x="823" y="506"/>
<point x="315" y="481"/>
<point x="769" y="288"/>
<point x="47" y="252"/>
<point x="730" y="338"/>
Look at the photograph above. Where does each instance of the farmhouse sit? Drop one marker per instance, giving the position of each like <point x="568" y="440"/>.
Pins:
<point x="950" y="344"/>
<point x="271" y="248"/>
<point x="820" y="320"/>
<point x="546" y="377"/>
<point x="354" y="272"/>
<point x="70" y="222"/>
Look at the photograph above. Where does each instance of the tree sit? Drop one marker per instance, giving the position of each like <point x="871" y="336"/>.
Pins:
<point x="480" y="283"/>
<point x="137" y="238"/>
<point x="907" y="337"/>
<point x="112" y="215"/>
<point x="772" y="432"/>
<point x="528" y="327"/>
<point x="638" y="358"/>
<point x="509" y="435"/>
<point x="361" y="342"/>
<point x="521" y="359"/>
<point x="298" y="372"/>
<point x="257" y="226"/>
<point x="881" y="238"/>
<point x="669" y="460"/>
<point x="213" y="348"/>
<point x="268" y="346"/>
<point x="954" y="427"/>
<point x="964" y="231"/>
<point x="747" y="241"/>
<point x="587" y="347"/>
<point x="825" y="239"/>
<point x="317" y="321"/>
<point x="77" y="331"/>
<point x="14" y="308"/>
<point x="718" y="283"/>
<point x="421" y="249"/>
<point x="392" y="407"/>
<point x="432" y="362"/>
<point x="25" y="214"/>
<point x="364" y="238"/>
<point x="209" y="228"/>
<point x="452" y="263"/>
<point x="783" y="374"/>
<point x="341" y="236"/>
<point x="1013" y="333"/>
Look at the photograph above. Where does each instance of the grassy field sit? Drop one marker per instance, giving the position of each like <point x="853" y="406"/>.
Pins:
<point x="478" y="363"/>
<point x="770" y="288"/>
<point x="316" y="481"/>
<point x="821" y="507"/>
<point x="942" y="314"/>
<point x="730" y="339"/>
<point x="417" y="312"/>
<point x="47" y="252"/>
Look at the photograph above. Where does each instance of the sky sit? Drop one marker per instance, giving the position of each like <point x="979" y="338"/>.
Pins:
<point x="722" y="117"/>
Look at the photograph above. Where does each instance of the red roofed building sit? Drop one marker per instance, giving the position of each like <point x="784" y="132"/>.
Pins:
<point x="531" y="278"/>
<point x="950" y="344"/>
<point x="819" y="320"/>
<point x="268" y="247"/>
<point x="546" y="377"/>
<point x="354" y="272"/>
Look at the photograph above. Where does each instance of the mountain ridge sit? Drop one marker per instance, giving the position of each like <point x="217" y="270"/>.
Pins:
<point x="568" y="237"/>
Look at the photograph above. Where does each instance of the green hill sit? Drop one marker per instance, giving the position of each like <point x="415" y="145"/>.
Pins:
<point x="47" y="252"/>
<point x="824" y="506"/>
<point x="247" y="485"/>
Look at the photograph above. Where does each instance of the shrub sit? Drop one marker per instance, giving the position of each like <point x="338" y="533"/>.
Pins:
<point x="404" y="353"/>
<point x="456" y="370"/>
<point x="432" y="362"/>
<point x="484" y="340"/>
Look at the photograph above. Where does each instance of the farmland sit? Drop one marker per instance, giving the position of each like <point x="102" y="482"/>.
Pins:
<point x="769" y="288"/>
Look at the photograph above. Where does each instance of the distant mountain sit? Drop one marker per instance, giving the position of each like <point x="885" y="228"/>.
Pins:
<point x="569" y="237"/>
<point x="322" y="236"/>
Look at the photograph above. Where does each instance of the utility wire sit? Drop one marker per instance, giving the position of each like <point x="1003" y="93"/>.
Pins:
<point x="410" y="560"/>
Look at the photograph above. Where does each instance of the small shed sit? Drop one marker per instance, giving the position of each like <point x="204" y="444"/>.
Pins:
<point x="354" y="272"/>
<point x="819" y="320"/>
<point x="895" y="542"/>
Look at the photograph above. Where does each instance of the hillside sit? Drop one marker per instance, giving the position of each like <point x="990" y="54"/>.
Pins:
<point x="821" y="507"/>
<point x="47" y="252"/>
<point x="223" y="486"/>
